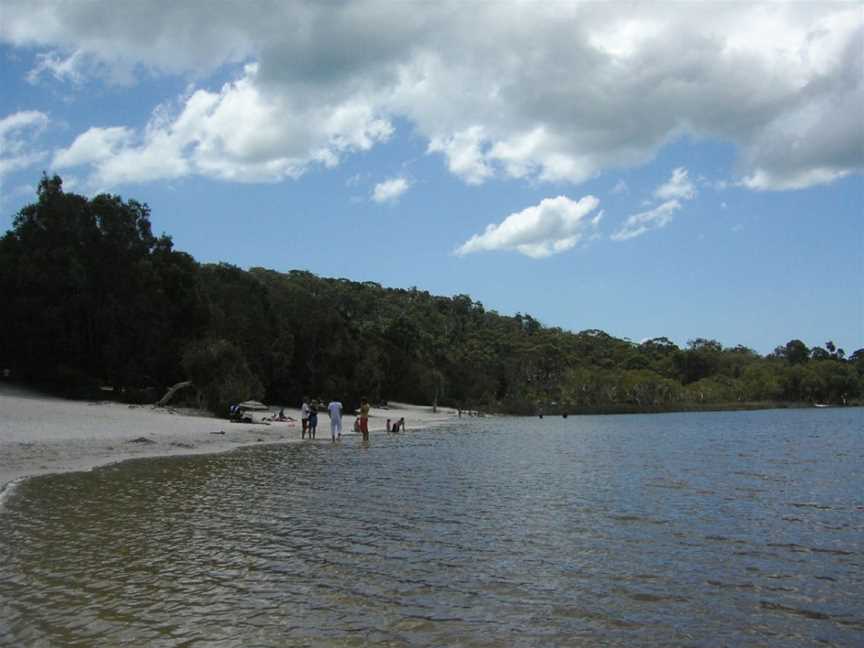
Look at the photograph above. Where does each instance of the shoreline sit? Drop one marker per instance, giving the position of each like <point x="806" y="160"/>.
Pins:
<point x="42" y="434"/>
<point x="691" y="408"/>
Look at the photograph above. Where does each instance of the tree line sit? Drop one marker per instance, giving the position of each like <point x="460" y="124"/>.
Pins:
<point x="94" y="300"/>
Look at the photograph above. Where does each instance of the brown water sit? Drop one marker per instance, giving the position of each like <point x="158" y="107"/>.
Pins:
<point x="724" y="529"/>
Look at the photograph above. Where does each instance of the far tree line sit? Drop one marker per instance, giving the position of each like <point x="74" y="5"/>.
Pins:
<point x="93" y="299"/>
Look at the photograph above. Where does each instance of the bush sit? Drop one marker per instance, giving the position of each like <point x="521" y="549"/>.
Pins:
<point x="74" y="383"/>
<point x="221" y="373"/>
<point x="139" y="395"/>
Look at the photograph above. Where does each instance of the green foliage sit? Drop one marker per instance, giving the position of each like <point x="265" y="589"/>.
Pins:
<point x="99" y="300"/>
<point x="795" y="352"/>
<point x="760" y="382"/>
<point x="857" y="360"/>
<point x="94" y="292"/>
<point x="220" y="372"/>
<point x="697" y="362"/>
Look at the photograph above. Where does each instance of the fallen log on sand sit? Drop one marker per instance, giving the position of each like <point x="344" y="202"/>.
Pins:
<point x="162" y="402"/>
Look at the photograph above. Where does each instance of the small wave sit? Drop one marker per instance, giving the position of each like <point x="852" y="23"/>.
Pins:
<point x="791" y="546"/>
<point x="637" y="518"/>
<point x="814" y="505"/>
<point x="672" y="485"/>
<point x="593" y="616"/>
<point x="7" y="490"/>
<point x="749" y="492"/>
<point x="749" y="552"/>
<point x="649" y="597"/>
<point x="834" y="527"/>
<point x="811" y="614"/>
<point x="719" y="538"/>
<point x="735" y="586"/>
<point x="836" y="552"/>
<point x="762" y="476"/>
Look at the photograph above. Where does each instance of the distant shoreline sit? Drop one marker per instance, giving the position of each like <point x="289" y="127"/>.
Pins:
<point x="690" y="407"/>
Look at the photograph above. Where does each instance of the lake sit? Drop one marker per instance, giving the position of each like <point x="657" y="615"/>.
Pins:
<point x="707" y="529"/>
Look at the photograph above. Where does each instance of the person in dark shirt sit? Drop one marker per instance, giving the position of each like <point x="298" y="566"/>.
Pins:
<point x="313" y="420"/>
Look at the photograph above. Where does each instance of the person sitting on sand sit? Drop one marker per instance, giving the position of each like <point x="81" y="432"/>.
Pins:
<point x="281" y="416"/>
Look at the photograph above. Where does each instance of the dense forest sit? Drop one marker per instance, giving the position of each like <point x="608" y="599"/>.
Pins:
<point x="92" y="299"/>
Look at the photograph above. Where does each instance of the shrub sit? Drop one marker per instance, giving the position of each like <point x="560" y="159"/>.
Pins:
<point x="220" y="371"/>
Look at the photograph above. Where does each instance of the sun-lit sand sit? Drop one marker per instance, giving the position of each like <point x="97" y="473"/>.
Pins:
<point x="40" y="434"/>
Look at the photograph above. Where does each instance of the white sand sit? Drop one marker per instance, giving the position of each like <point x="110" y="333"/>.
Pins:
<point x="40" y="434"/>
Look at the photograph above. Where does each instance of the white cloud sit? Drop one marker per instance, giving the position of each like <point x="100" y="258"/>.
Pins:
<point x="638" y="224"/>
<point x="620" y="187"/>
<point x="240" y="133"/>
<point x="672" y="192"/>
<point x="390" y="190"/>
<point x="762" y="180"/>
<point x="355" y="180"/>
<point x="558" y="92"/>
<point x="92" y="146"/>
<point x="63" y="68"/>
<point x="18" y="149"/>
<point x="464" y="154"/>
<point x="678" y="186"/>
<point x="553" y="226"/>
<point x="18" y="129"/>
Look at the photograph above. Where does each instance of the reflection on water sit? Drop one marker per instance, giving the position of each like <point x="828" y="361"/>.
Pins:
<point x="696" y="529"/>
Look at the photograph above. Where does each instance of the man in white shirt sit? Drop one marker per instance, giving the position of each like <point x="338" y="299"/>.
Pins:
<point x="334" y="409"/>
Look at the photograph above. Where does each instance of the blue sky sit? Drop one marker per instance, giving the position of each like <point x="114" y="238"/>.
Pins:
<point x="680" y="170"/>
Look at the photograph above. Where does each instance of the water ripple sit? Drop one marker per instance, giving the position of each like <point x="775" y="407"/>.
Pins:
<point x="618" y="531"/>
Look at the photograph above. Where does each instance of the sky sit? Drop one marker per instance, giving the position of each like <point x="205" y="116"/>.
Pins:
<point x="687" y="170"/>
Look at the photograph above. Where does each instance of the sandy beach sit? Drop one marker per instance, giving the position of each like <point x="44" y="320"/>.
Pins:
<point x="41" y="434"/>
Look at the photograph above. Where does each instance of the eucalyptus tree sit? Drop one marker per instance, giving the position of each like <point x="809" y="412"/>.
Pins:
<point x="97" y="297"/>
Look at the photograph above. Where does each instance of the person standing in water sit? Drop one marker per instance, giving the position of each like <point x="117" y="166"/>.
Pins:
<point x="364" y="418"/>
<point x="313" y="420"/>
<point x="334" y="410"/>
<point x="304" y="417"/>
